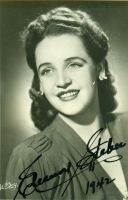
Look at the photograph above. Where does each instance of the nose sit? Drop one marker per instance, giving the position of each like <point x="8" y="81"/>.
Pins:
<point x="63" y="81"/>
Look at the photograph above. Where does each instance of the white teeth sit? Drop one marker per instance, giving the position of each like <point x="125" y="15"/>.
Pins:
<point x="68" y="94"/>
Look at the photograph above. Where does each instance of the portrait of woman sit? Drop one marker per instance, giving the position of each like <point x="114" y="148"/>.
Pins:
<point x="80" y="152"/>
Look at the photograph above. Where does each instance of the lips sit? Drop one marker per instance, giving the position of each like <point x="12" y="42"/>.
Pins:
<point x="68" y="95"/>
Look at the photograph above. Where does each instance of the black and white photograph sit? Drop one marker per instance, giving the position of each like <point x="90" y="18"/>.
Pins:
<point x="64" y="96"/>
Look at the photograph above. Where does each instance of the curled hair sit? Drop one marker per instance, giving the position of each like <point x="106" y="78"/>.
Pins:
<point x="60" y="21"/>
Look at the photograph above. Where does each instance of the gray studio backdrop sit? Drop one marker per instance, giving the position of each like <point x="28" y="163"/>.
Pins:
<point x="16" y="76"/>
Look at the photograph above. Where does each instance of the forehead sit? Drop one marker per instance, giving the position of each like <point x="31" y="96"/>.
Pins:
<point x="54" y="48"/>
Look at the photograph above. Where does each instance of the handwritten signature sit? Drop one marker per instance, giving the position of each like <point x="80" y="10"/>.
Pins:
<point x="87" y="162"/>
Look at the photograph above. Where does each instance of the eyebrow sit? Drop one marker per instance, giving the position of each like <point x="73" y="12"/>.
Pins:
<point x="76" y="57"/>
<point x="66" y="60"/>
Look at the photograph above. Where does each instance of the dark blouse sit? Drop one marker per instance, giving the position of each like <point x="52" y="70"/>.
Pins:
<point x="61" y="148"/>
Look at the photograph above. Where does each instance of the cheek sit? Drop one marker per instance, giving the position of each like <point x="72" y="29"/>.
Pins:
<point x="47" y="85"/>
<point x="85" y="77"/>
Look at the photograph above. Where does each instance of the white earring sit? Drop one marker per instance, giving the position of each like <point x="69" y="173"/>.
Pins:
<point x="101" y="73"/>
<point x="102" y="76"/>
<point x="93" y="83"/>
<point x="40" y="93"/>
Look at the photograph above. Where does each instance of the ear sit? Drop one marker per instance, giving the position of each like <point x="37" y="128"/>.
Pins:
<point x="101" y="71"/>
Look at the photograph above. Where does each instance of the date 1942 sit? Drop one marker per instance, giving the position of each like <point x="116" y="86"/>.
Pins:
<point x="98" y="184"/>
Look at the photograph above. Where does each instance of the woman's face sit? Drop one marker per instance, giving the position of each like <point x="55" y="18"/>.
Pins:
<point x="67" y="73"/>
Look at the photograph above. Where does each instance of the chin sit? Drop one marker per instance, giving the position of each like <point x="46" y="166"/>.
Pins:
<point x="74" y="111"/>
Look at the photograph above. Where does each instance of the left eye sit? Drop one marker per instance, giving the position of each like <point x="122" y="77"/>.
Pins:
<point x="75" y="65"/>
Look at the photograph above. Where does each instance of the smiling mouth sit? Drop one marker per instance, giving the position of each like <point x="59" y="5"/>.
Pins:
<point x="68" y="95"/>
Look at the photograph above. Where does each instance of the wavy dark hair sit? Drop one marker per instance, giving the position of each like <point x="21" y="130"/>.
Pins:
<point x="60" y="21"/>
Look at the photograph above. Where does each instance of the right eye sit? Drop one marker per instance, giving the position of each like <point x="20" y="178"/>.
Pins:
<point x="46" y="71"/>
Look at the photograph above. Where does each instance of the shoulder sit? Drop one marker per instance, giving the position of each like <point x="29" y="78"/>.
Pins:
<point x="121" y="122"/>
<point x="123" y="117"/>
<point x="41" y="147"/>
<point x="115" y="117"/>
<point x="118" y="126"/>
<point x="36" y="144"/>
<point x="118" y="118"/>
<point x="27" y="157"/>
<point x="27" y="151"/>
